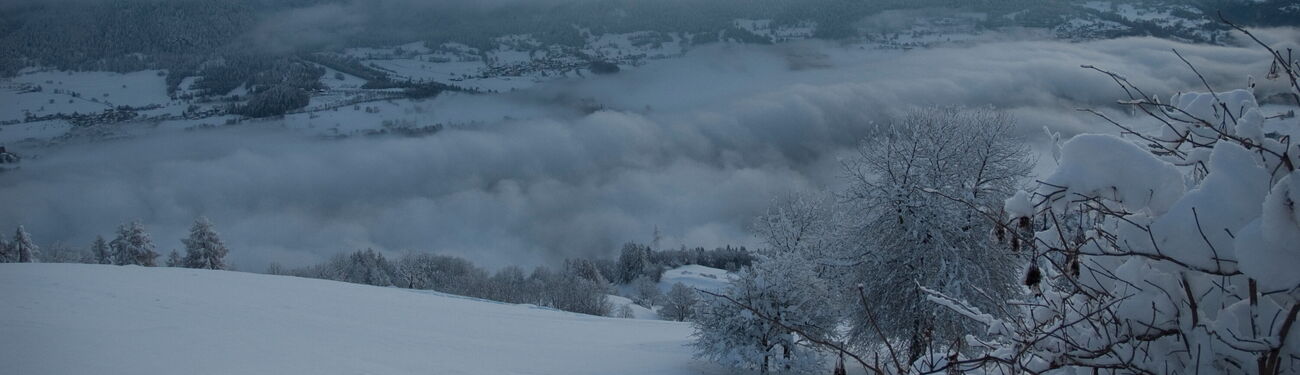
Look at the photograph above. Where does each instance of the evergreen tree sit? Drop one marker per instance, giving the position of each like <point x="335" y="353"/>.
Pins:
<point x="633" y="262"/>
<point x="4" y="250"/>
<point x="133" y="246"/>
<point x="101" y="252"/>
<point x="362" y="267"/>
<point x="23" y="248"/>
<point x="203" y="248"/>
<point x="174" y="259"/>
<point x="585" y="269"/>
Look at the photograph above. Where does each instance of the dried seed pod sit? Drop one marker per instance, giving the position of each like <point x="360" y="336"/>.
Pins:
<point x="1033" y="276"/>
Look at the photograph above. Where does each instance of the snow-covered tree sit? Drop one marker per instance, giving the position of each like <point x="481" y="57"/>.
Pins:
<point x="645" y="292"/>
<point x="174" y="259"/>
<point x="812" y="226"/>
<point x="625" y="312"/>
<point x="203" y="248"/>
<point x="679" y="303"/>
<point x="276" y="269"/>
<point x="4" y="250"/>
<point x="509" y="284"/>
<point x="60" y="253"/>
<point x="362" y="267"/>
<point x="903" y="237"/>
<point x="870" y="253"/>
<point x="573" y="290"/>
<point x="23" y="249"/>
<point x="443" y="273"/>
<point x="1170" y="252"/>
<point x="633" y="262"/>
<point x="100" y="251"/>
<point x="770" y="318"/>
<point x="133" y="246"/>
<point x="586" y="269"/>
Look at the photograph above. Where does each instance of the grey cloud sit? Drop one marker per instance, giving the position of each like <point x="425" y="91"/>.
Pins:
<point x="728" y="128"/>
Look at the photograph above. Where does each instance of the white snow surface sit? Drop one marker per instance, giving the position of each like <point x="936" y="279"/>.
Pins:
<point x="100" y="319"/>
<point x="696" y="276"/>
<point x="1116" y="169"/>
<point x="638" y="311"/>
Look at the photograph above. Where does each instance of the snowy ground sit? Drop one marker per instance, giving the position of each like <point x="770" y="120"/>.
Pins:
<point x="83" y="92"/>
<point x="695" y="276"/>
<point x="637" y="311"/>
<point x="93" y="319"/>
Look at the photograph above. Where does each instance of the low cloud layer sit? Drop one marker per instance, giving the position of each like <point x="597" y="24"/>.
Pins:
<point x="694" y="146"/>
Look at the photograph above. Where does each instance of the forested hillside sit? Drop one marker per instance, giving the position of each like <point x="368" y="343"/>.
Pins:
<point x="137" y="34"/>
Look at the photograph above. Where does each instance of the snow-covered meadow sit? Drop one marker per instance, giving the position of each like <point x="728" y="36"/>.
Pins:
<point x="82" y="319"/>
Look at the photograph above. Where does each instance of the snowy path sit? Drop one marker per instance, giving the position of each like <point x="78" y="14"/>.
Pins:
<point x="92" y="319"/>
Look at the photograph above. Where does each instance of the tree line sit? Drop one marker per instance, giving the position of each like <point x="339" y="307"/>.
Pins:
<point x="579" y="285"/>
<point x="131" y="245"/>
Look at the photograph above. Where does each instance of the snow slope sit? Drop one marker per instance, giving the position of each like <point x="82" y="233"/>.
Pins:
<point x="695" y="276"/>
<point x="638" y="312"/>
<point x="96" y="319"/>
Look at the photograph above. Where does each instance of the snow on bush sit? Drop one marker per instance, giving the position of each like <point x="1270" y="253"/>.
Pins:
<point x="1170" y="253"/>
<point x="1101" y="165"/>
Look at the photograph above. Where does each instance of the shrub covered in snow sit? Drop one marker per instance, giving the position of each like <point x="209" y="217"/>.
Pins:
<point x="762" y="320"/>
<point x="1172" y="253"/>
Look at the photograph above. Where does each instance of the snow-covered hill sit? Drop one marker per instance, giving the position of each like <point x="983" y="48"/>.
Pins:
<point x="695" y="276"/>
<point x="93" y="319"/>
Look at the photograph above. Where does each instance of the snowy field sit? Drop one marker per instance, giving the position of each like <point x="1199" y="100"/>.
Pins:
<point x="83" y="92"/>
<point x="184" y="321"/>
<point x="695" y="276"/>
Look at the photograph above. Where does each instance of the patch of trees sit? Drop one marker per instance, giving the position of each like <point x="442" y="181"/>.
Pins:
<point x="132" y="245"/>
<point x="180" y="36"/>
<point x="257" y="73"/>
<point x="424" y="90"/>
<point x="727" y="257"/>
<point x="118" y="36"/>
<point x="637" y="261"/>
<point x="1264" y="13"/>
<point x="577" y="287"/>
<point x="273" y="101"/>
<point x="603" y="67"/>
<point x="580" y="285"/>
<point x="21" y="250"/>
